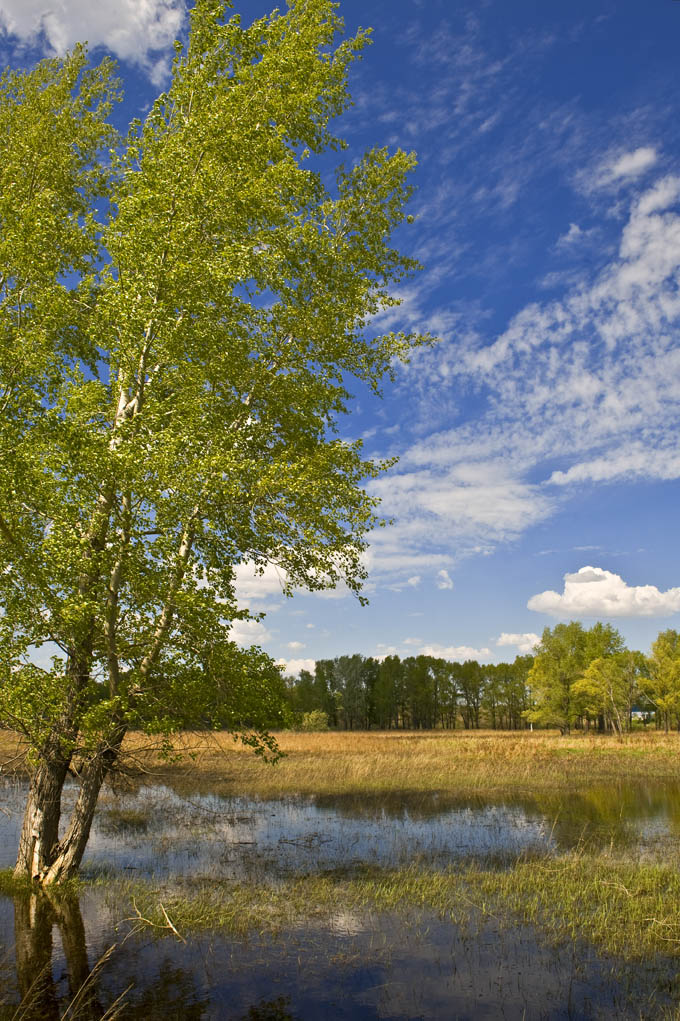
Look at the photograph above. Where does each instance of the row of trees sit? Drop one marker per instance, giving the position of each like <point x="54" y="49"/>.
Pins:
<point x="420" y="692"/>
<point x="577" y="677"/>
<point x="358" y="692"/>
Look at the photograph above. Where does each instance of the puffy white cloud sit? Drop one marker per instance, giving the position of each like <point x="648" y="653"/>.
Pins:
<point x="253" y="589"/>
<point x="524" y="643"/>
<point x="295" y="646"/>
<point x="595" y="592"/>
<point x="294" y="666"/>
<point x="249" y="632"/>
<point x="444" y="580"/>
<point x="134" y="30"/>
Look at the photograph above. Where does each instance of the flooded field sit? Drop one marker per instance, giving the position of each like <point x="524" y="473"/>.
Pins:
<point x="354" y="962"/>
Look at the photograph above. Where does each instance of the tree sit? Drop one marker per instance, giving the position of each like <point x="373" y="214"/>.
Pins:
<point x="662" y="686"/>
<point x="470" y="680"/>
<point x="180" y="312"/>
<point x="602" y="691"/>
<point x="609" y="686"/>
<point x="560" y="659"/>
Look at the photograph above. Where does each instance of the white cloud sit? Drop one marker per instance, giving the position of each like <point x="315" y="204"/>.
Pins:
<point x="575" y="233"/>
<point x="249" y="632"/>
<point x="294" y="666"/>
<point x="414" y="581"/>
<point x="524" y="643"/>
<point x="253" y="589"/>
<point x="581" y="389"/>
<point x="444" y="580"/>
<point x="631" y="164"/>
<point x="456" y="653"/>
<point x="595" y="592"/>
<point x="134" y="30"/>
<point x="295" y="646"/>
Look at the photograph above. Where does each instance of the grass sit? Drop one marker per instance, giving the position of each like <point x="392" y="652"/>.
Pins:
<point x="481" y="762"/>
<point x="458" y="762"/>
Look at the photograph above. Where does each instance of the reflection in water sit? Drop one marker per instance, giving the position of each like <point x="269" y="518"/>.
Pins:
<point x="420" y="967"/>
<point x="272" y="1010"/>
<point x="54" y="979"/>
<point x="35" y="917"/>
<point x="153" y="831"/>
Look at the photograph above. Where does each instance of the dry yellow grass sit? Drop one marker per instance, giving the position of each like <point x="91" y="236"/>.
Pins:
<point x="358" y="762"/>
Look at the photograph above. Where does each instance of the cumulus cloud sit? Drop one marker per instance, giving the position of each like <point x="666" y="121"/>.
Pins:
<point x="294" y="666"/>
<point x="455" y="653"/>
<point x="295" y="646"/>
<point x="595" y="592"/>
<point x="524" y="643"/>
<point x="134" y="30"/>
<point x="444" y="580"/>
<point x="249" y="632"/>
<point x="253" y="589"/>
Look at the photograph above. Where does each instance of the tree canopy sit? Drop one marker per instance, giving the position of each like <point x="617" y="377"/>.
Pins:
<point x="181" y="313"/>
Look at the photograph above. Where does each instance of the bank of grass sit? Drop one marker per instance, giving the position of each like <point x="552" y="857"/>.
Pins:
<point x="480" y="762"/>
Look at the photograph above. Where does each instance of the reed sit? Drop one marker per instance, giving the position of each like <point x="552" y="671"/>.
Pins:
<point x="462" y="762"/>
<point x="360" y="762"/>
<point x="624" y="909"/>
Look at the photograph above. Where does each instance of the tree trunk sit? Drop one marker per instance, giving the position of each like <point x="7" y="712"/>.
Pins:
<point x="68" y="853"/>
<point x="40" y="829"/>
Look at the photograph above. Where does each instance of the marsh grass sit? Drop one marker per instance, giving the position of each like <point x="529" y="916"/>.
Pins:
<point x="459" y="762"/>
<point x="622" y="909"/>
<point x="600" y="898"/>
<point x="357" y="762"/>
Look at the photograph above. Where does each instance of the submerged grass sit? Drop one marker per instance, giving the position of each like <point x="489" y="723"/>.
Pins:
<point x="626" y="910"/>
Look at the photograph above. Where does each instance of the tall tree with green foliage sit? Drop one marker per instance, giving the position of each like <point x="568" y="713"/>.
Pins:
<point x="662" y="684"/>
<point x="179" y="313"/>
<point x="562" y="657"/>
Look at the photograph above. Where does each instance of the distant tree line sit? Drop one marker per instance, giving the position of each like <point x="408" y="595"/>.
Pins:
<point x="576" y="678"/>
<point x="416" y="693"/>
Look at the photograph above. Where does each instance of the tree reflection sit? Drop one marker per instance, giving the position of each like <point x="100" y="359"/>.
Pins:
<point x="80" y="990"/>
<point x="35" y="918"/>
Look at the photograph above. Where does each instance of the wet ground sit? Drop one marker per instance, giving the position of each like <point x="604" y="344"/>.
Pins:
<point x="353" y="965"/>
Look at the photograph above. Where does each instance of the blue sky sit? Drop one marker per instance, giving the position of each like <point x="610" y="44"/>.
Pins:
<point x="539" y="464"/>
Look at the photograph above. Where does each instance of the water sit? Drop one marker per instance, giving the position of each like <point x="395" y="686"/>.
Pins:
<point x="353" y="965"/>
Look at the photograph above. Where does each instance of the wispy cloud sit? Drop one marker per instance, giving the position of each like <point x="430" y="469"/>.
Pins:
<point x="631" y="164"/>
<point x="585" y="389"/>
<point x="444" y="580"/>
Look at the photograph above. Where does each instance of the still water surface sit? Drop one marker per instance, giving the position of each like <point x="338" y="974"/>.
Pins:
<point x="351" y="966"/>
